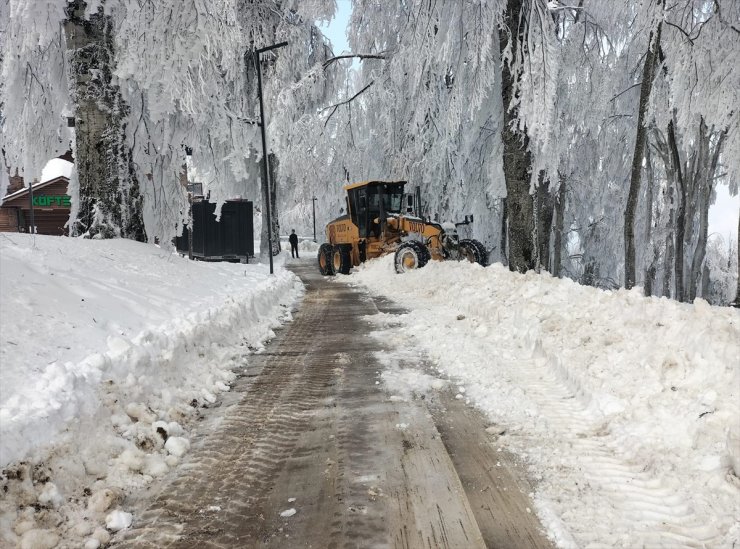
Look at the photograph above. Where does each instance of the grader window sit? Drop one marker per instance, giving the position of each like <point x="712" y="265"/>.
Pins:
<point x="357" y="200"/>
<point x="392" y="198"/>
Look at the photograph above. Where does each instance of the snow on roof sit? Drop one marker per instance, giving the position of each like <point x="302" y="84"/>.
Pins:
<point x="24" y="190"/>
<point x="56" y="167"/>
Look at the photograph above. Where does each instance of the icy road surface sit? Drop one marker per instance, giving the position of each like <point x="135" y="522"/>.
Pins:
<point x="311" y="451"/>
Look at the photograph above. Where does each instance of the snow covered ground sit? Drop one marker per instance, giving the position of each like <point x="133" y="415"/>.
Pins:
<point x="626" y="409"/>
<point x="108" y="351"/>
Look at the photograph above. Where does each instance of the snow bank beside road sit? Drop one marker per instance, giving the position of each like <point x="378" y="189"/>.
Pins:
<point x="626" y="408"/>
<point x="108" y="350"/>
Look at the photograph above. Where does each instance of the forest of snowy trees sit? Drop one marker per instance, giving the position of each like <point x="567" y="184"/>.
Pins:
<point x="587" y="137"/>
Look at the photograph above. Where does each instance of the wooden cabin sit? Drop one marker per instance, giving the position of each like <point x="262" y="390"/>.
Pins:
<point x="51" y="206"/>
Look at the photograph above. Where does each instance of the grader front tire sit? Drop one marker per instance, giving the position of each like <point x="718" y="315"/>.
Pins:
<point x="474" y="251"/>
<point x="411" y="255"/>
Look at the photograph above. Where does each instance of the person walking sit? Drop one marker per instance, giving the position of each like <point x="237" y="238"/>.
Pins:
<point x="293" y="244"/>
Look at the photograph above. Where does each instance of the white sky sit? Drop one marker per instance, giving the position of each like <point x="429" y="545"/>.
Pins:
<point x="336" y="30"/>
<point x="723" y="214"/>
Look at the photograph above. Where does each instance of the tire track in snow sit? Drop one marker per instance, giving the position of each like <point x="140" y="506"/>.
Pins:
<point x="254" y="441"/>
<point x="651" y="514"/>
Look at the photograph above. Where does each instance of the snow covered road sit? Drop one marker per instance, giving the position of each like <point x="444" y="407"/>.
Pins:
<point x="316" y="454"/>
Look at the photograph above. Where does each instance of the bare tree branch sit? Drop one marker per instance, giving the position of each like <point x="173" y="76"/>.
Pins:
<point x="353" y="56"/>
<point x="628" y="89"/>
<point x="682" y="31"/>
<point x="337" y="105"/>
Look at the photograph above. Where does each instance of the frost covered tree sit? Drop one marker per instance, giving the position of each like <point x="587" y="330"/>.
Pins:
<point x="191" y="81"/>
<point x="155" y="78"/>
<point x="33" y="87"/>
<point x="106" y="197"/>
<point x="694" y="114"/>
<point x="646" y="85"/>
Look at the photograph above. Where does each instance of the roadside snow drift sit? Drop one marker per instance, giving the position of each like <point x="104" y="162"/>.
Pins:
<point x="625" y="408"/>
<point x="109" y="349"/>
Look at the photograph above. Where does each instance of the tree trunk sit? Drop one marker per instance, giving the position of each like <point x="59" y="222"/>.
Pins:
<point x="705" y="282"/>
<point x="557" y="245"/>
<point x="517" y="158"/>
<point x="544" y="215"/>
<point x="668" y="258"/>
<point x="504" y="230"/>
<point x="648" y="73"/>
<point x="736" y="303"/>
<point x="680" y="234"/>
<point x="705" y="183"/>
<point x="668" y="267"/>
<point x="108" y="202"/>
<point x="651" y="267"/>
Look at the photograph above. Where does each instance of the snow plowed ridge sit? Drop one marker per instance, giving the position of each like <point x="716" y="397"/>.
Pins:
<point x="624" y="408"/>
<point x="653" y="514"/>
<point x="149" y="341"/>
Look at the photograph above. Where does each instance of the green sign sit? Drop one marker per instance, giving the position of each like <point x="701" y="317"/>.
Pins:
<point x="62" y="201"/>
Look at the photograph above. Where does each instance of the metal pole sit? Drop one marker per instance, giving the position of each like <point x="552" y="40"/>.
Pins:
<point x="265" y="165"/>
<point x="32" y="227"/>
<point x="313" y="204"/>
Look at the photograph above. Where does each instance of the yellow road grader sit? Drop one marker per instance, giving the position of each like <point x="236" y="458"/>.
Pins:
<point x="378" y="223"/>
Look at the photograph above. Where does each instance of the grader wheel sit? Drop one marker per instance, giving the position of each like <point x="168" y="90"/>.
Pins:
<point x="341" y="259"/>
<point x="410" y="256"/>
<point x="325" y="260"/>
<point x="474" y="251"/>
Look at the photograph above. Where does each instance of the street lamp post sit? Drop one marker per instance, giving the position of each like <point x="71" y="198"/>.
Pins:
<point x="32" y="226"/>
<point x="265" y="160"/>
<point x="313" y="205"/>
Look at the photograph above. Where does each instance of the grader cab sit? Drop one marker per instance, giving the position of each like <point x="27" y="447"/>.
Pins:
<point x="382" y="219"/>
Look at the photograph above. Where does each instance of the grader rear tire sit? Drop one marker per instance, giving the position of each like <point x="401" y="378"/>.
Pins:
<point x="325" y="264"/>
<point x="341" y="259"/>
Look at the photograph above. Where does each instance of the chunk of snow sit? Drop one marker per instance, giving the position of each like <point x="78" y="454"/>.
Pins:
<point x="288" y="512"/>
<point x="140" y="412"/>
<point x="50" y="495"/>
<point x="155" y="465"/>
<point x="118" y="520"/>
<point x="132" y="459"/>
<point x="39" y="539"/>
<point x="102" y="535"/>
<point x="177" y="446"/>
<point x="102" y="500"/>
<point x="598" y="392"/>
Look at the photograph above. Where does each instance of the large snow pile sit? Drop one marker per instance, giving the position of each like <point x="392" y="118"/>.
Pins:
<point x="109" y="349"/>
<point x="625" y="408"/>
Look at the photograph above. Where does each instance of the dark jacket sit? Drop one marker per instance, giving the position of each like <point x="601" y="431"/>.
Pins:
<point x="293" y="239"/>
